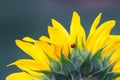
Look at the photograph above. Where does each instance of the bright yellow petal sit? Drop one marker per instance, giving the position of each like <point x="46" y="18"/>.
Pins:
<point x="100" y="37"/>
<point x="59" y="26"/>
<point x="118" y="78"/>
<point x="29" y="65"/>
<point x="29" y="39"/>
<point x="29" y="48"/>
<point x="44" y="38"/>
<point x="20" y="76"/>
<point x="57" y="36"/>
<point x="111" y="47"/>
<point x="116" y="67"/>
<point x="49" y="49"/>
<point x="115" y="56"/>
<point x="76" y="30"/>
<point x="115" y="38"/>
<point x="95" y="24"/>
<point x="52" y="50"/>
<point x="36" y="52"/>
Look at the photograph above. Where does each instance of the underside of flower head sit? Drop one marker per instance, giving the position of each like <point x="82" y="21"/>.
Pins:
<point x="71" y="56"/>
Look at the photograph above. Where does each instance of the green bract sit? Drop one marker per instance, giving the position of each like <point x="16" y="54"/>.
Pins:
<point x="80" y="65"/>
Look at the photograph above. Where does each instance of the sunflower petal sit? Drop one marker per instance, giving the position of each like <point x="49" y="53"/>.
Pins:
<point x="29" y="48"/>
<point x="95" y="24"/>
<point x="49" y="49"/>
<point x="100" y="37"/>
<point x="115" y="56"/>
<point x="76" y="30"/>
<point x="59" y="26"/>
<point x="54" y="33"/>
<point x="25" y="65"/>
<point x="29" y="39"/>
<point x="115" y="38"/>
<point x="34" y="51"/>
<point x="111" y="47"/>
<point x="44" y="38"/>
<point x="20" y="76"/>
<point x="116" y="67"/>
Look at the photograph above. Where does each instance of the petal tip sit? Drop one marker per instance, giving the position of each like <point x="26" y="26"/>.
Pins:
<point x="29" y="39"/>
<point x="16" y="41"/>
<point x="75" y="13"/>
<point x="100" y="14"/>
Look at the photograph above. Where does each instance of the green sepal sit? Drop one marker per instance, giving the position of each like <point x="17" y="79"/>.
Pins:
<point x="42" y="77"/>
<point x="69" y="54"/>
<point x="54" y="65"/>
<point x="101" y="74"/>
<point x="76" y="58"/>
<point x="67" y="64"/>
<point x="106" y="61"/>
<point x="48" y="74"/>
<point x="97" y="60"/>
<point x="83" y="51"/>
<point x="75" y="75"/>
<point x="112" y="76"/>
<point x="60" y="76"/>
<point x="86" y="66"/>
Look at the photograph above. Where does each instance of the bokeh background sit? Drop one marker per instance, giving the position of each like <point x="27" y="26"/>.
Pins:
<point x="20" y="18"/>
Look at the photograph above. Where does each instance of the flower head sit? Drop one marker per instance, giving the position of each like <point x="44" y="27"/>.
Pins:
<point x="99" y="51"/>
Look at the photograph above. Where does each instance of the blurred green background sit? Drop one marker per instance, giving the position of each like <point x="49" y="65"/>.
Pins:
<point x="20" y="18"/>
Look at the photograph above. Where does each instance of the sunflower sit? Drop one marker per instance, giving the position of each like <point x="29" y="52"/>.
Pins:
<point x="70" y="56"/>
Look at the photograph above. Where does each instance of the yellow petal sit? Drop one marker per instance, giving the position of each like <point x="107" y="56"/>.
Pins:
<point x="57" y="36"/>
<point x="118" y="78"/>
<point x="76" y="30"/>
<point x="100" y="36"/>
<point x="115" y="56"/>
<point x="116" y="67"/>
<point x="44" y="38"/>
<point x="29" y="65"/>
<point x="108" y="25"/>
<point x="111" y="47"/>
<point x="29" y="48"/>
<point x="95" y="24"/>
<point x="49" y="49"/>
<point x="59" y="26"/>
<point x="20" y="76"/>
<point x="115" y="38"/>
<point x="29" y="39"/>
<point x="34" y="51"/>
